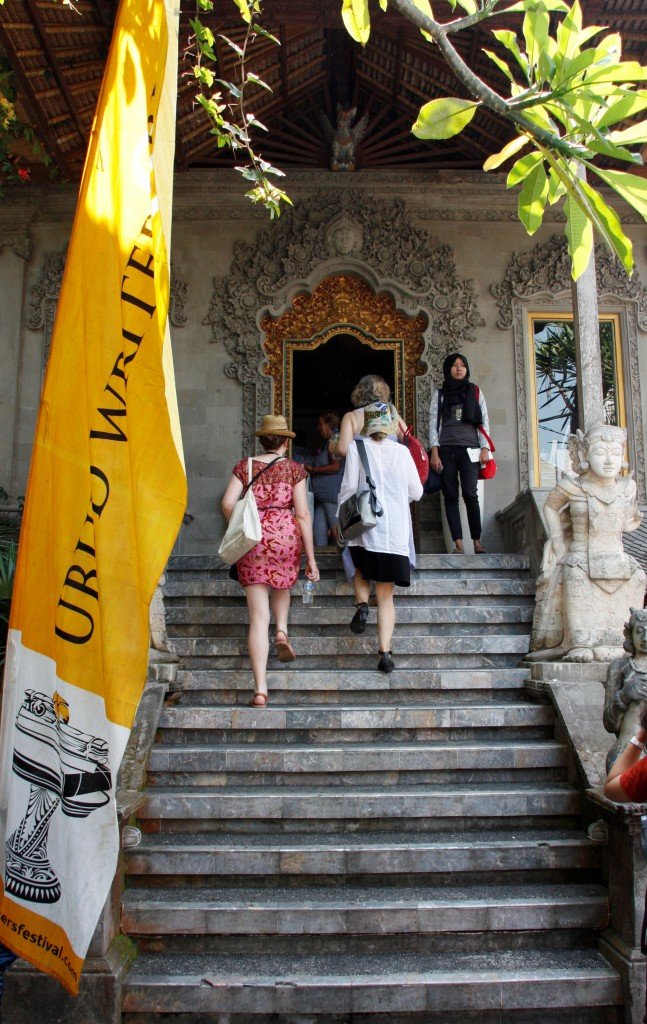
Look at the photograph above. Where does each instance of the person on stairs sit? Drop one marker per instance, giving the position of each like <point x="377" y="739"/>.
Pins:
<point x="326" y="472"/>
<point x="269" y="571"/>
<point x="381" y="554"/>
<point x="457" y="410"/>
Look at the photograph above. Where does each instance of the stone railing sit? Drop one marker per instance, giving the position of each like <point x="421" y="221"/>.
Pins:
<point x="522" y="526"/>
<point x="576" y="691"/>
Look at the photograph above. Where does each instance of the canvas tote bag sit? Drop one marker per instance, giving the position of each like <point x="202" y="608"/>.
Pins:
<point x="244" y="529"/>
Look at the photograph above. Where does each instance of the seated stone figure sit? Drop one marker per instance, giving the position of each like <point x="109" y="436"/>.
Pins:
<point x="626" y="685"/>
<point x="587" y="579"/>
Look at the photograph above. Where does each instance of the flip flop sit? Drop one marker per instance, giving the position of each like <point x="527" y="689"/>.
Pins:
<point x="284" y="649"/>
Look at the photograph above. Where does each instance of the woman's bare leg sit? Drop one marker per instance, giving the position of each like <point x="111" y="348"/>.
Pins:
<point x="361" y="587"/>
<point x="385" y="614"/>
<point x="258" y="641"/>
<point x="280" y="603"/>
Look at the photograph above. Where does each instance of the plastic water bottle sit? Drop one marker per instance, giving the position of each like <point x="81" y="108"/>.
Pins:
<point x="308" y="592"/>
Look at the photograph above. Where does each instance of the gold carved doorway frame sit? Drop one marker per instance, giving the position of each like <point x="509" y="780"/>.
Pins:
<point x="343" y="303"/>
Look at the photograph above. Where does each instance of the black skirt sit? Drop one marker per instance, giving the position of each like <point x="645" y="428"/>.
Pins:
<point x="379" y="567"/>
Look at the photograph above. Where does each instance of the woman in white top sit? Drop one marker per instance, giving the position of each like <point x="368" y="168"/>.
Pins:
<point x="381" y="555"/>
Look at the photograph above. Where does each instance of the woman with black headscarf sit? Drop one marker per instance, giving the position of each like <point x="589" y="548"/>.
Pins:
<point x="457" y="411"/>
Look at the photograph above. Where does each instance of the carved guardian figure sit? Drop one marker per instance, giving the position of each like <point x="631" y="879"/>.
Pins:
<point x="626" y="685"/>
<point x="345" y="137"/>
<point x="587" y="579"/>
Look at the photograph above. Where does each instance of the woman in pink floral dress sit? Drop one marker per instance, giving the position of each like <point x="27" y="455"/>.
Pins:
<point x="270" y="569"/>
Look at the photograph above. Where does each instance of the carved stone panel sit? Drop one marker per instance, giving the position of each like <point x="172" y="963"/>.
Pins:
<point x="333" y="233"/>
<point x="541" y="279"/>
<point x="43" y="300"/>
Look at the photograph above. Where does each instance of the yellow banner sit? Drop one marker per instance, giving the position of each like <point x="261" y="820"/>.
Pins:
<point x="106" y="495"/>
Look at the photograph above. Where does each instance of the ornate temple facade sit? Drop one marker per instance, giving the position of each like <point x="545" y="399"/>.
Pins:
<point x="378" y="271"/>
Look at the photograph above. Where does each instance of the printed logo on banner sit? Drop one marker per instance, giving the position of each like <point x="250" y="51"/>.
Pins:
<point x="64" y="767"/>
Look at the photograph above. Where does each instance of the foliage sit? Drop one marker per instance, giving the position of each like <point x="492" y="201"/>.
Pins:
<point x="12" y="130"/>
<point x="231" y="122"/>
<point x="556" y="371"/>
<point x="566" y="102"/>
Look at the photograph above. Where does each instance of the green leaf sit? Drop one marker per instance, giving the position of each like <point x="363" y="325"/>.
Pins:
<point x="204" y="75"/>
<point x="612" y="227"/>
<point x="267" y="35"/>
<point x="523" y="168"/>
<point x="556" y="187"/>
<point x="535" y="32"/>
<point x="509" y="150"/>
<point x="532" y="199"/>
<point x="550" y="5"/>
<point x="470" y="6"/>
<point x="631" y="187"/>
<point x="579" y="232"/>
<point x="628" y="106"/>
<point x="625" y="71"/>
<point x="383" y="4"/>
<point x="255" y="80"/>
<point x="357" y="20"/>
<point x="243" y="7"/>
<point x="235" y="47"/>
<point x="509" y="40"/>
<point x="568" y="33"/>
<point x="630" y="136"/>
<point x="441" y="119"/>
<point x="500" y="63"/>
<point x="425" y="7"/>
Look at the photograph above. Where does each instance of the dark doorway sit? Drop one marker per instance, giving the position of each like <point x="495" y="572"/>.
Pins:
<point x="323" y="378"/>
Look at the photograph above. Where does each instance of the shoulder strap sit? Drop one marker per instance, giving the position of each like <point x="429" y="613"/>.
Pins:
<point x="375" y="504"/>
<point x="253" y="479"/>
<point x="487" y="438"/>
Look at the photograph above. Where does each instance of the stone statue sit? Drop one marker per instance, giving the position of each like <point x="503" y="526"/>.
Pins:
<point x="345" y="138"/>
<point x="626" y="685"/>
<point x="160" y="647"/>
<point x="587" y="580"/>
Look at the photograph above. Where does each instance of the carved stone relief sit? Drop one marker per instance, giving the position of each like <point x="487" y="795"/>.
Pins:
<point x="338" y="232"/>
<point x="177" y="300"/>
<point x="44" y="299"/>
<point x="16" y="236"/>
<point x="541" y="279"/>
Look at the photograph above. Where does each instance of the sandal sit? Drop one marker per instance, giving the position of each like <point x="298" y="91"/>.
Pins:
<point x="284" y="649"/>
<point x="259" y="700"/>
<point x="358" y="622"/>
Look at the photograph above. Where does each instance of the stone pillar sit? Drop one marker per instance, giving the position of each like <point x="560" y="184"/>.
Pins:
<point x="587" y="345"/>
<point x="15" y="249"/>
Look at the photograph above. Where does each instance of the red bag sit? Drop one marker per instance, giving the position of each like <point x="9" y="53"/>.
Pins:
<point x="488" y="469"/>
<point x="417" y="453"/>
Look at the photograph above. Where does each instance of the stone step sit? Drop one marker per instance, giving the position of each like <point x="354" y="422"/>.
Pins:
<point x="347" y="910"/>
<point x="194" y="724"/>
<point x="330" y="686"/>
<point x="425" y="808"/>
<point x="387" y="765"/>
<point x="350" y="651"/>
<point x="428" y="588"/>
<point x="345" y="985"/>
<point x="440" y="855"/>
<point x="417" y="620"/>
<point x="191" y="566"/>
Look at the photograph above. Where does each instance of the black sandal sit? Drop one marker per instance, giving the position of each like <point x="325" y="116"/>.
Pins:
<point x="359" y="619"/>
<point x="386" y="662"/>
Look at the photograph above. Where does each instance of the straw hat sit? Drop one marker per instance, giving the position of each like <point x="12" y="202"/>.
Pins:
<point x="276" y="425"/>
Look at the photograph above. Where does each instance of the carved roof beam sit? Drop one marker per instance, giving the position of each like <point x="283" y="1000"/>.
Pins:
<point x="55" y="67"/>
<point x="285" y="82"/>
<point x="309" y="138"/>
<point x="398" y="63"/>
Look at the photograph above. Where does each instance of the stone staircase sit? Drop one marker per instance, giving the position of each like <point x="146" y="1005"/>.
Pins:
<point x="369" y="846"/>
